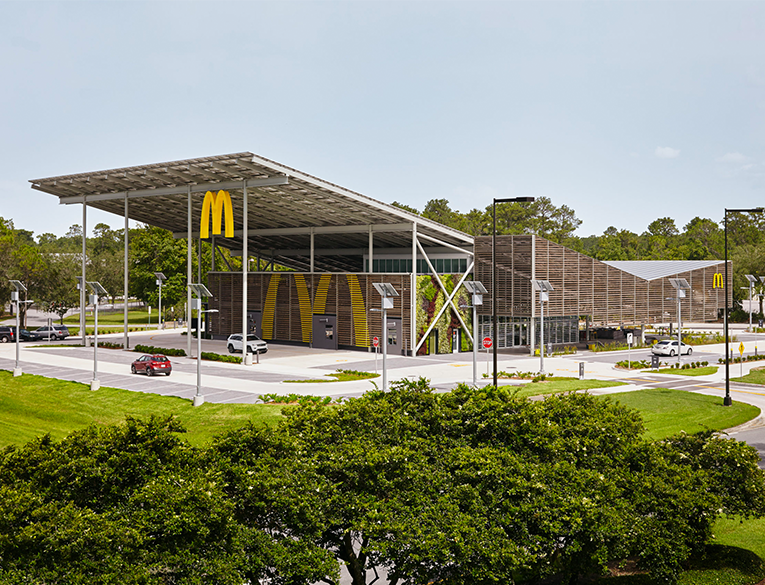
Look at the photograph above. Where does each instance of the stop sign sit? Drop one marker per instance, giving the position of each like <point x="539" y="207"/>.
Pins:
<point x="375" y="341"/>
<point x="487" y="342"/>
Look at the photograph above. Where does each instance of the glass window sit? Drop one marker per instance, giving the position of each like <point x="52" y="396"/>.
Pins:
<point x="395" y="265"/>
<point x="375" y="265"/>
<point x="408" y="265"/>
<point x="463" y="264"/>
<point x="389" y="265"/>
<point x="440" y="265"/>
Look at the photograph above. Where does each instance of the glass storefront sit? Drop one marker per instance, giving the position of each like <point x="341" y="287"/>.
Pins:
<point x="514" y="331"/>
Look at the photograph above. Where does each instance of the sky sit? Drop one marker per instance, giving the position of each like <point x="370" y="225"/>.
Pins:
<point x="623" y="111"/>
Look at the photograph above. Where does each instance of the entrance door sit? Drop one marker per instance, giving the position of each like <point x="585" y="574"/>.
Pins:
<point x="395" y="338"/>
<point x="254" y="319"/>
<point x="324" y="329"/>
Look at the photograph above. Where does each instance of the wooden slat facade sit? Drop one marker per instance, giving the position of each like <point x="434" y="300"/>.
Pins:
<point x="287" y="325"/>
<point x="586" y="287"/>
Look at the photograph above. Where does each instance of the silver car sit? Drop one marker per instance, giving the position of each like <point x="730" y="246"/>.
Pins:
<point x="669" y="348"/>
<point x="254" y="344"/>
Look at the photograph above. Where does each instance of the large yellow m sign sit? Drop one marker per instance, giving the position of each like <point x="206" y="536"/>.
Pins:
<point x="221" y="205"/>
<point x="717" y="280"/>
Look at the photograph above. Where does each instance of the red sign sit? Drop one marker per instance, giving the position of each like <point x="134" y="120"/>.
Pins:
<point x="375" y="341"/>
<point x="487" y="342"/>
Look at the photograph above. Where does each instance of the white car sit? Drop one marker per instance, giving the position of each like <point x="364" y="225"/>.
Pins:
<point x="669" y="348"/>
<point x="254" y="344"/>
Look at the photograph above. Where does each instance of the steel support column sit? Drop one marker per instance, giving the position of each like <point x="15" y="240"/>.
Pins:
<point x="83" y="293"/>
<point x="413" y="296"/>
<point x="125" y="337"/>
<point x="245" y="272"/>
<point x="188" y="275"/>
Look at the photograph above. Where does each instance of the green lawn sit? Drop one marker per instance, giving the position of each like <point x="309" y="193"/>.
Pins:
<point x="134" y="318"/>
<point x="31" y="406"/>
<point x="749" y="534"/>
<point x="753" y="377"/>
<point x="667" y="412"/>
<point x="559" y="385"/>
<point x="705" y="371"/>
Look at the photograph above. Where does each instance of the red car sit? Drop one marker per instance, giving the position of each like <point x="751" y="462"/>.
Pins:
<point x="152" y="364"/>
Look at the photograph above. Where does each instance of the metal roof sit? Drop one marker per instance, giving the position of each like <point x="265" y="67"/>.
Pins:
<point x="284" y="207"/>
<point x="653" y="269"/>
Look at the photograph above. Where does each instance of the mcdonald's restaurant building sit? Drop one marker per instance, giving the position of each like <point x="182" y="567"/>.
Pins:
<point x="323" y="247"/>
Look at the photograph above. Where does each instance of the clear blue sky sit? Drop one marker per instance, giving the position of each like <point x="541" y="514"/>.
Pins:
<point x="624" y="111"/>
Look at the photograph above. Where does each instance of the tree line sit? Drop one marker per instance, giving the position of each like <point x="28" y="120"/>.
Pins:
<point x="471" y="486"/>
<point x="48" y="264"/>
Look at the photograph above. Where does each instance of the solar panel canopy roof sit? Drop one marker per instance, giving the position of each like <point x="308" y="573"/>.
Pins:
<point x="284" y="207"/>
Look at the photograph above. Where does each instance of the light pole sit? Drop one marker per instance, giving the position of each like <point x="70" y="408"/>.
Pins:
<point x="752" y="279"/>
<point x="477" y="290"/>
<point x="728" y="401"/>
<point x="160" y="279"/>
<point x="544" y="287"/>
<point x="494" y="271"/>
<point x="201" y="291"/>
<point x="387" y="292"/>
<point x="680" y="285"/>
<point x="15" y="297"/>
<point x="98" y="291"/>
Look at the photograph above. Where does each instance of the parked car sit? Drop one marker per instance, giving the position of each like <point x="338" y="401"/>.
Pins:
<point x="254" y="343"/>
<point x="54" y="332"/>
<point x="9" y="334"/>
<point x="669" y="348"/>
<point x="26" y="335"/>
<point x="152" y="364"/>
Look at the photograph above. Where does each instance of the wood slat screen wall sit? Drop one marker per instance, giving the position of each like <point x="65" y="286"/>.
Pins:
<point x="587" y="287"/>
<point x="227" y="290"/>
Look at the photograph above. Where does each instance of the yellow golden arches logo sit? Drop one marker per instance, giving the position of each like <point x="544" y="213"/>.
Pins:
<point x="221" y="205"/>
<point x="717" y="280"/>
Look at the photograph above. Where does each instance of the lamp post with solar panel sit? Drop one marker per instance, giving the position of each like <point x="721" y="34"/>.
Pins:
<point x="160" y="279"/>
<point x="680" y="285"/>
<point x="476" y="290"/>
<point x="202" y="291"/>
<point x="97" y="291"/>
<point x="544" y="287"/>
<point x="387" y="292"/>
<point x="16" y="299"/>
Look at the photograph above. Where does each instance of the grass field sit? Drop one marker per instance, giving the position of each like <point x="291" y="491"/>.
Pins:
<point x="560" y="385"/>
<point x="753" y="377"/>
<point x="667" y="412"/>
<point x="31" y="406"/>
<point x="705" y="371"/>
<point x="104" y="318"/>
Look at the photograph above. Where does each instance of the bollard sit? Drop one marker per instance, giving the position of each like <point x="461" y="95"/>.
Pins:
<point x="581" y="370"/>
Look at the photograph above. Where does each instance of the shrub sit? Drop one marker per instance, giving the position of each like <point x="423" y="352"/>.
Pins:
<point x="159" y="350"/>
<point x="216" y="357"/>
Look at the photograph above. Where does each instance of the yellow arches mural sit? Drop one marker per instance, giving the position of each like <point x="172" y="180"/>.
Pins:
<point x="267" y="326"/>
<point x="320" y="299"/>
<point x="360" y="326"/>
<point x="304" y="301"/>
<point x="220" y="204"/>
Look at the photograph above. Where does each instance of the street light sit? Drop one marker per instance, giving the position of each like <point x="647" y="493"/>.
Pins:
<point x="752" y="280"/>
<point x="98" y="291"/>
<point x="160" y="279"/>
<point x="477" y="290"/>
<point x="494" y="271"/>
<point x="15" y="297"/>
<point x="544" y="287"/>
<point x="201" y="291"/>
<point x="387" y="292"/>
<point x="728" y="401"/>
<point x="680" y="285"/>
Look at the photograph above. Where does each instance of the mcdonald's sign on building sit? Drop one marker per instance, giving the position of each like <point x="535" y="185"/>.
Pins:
<point x="717" y="281"/>
<point x="220" y="204"/>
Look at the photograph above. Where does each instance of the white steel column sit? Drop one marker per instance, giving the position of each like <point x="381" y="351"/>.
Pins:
<point x="532" y="331"/>
<point x="312" y="249"/>
<point x="371" y="248"/>
<point x="413" y="286"/>
<point x="245" y="272"/>
<point x="83" y="286"/>
<point x="125" y="338"/>
<point x="188" y="275"/>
